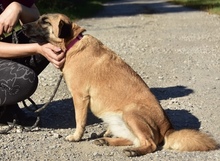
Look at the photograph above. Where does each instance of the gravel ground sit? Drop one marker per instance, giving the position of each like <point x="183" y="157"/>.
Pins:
<point x="174" y="49"/>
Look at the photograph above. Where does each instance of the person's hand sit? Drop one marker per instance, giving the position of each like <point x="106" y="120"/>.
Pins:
<point x="9" y="17"/>
<point x="53" y="54"/>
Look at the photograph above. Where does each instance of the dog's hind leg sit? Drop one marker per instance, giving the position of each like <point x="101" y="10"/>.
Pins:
<point x="113" y="141"/>
<point x="132" y="128"/>
<point x="138" y="124"/>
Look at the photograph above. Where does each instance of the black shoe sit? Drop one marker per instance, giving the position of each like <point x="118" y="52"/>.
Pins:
<point x="10" y="112"/>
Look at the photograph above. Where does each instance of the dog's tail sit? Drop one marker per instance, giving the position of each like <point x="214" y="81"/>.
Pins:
<point x="189" y="140"/>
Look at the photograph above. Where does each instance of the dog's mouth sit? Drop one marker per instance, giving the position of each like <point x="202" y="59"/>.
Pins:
<point x="35" y="38"/>
<point x="38" y="40"/>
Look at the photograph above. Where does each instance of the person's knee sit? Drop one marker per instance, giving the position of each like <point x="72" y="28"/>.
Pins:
<point x="24" y="84"/>
<point x="17" y="82"/>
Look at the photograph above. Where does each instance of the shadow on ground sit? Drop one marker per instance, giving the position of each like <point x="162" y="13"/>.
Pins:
<point x="60" y="114"/>
<point x="133" y="7"/>
<point x="179" y="118"/>
<point x="182" y="119"/>
<point x="171" y="92"/>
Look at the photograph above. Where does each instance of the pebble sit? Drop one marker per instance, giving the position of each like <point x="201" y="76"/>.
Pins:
<point x="96" y="154"/>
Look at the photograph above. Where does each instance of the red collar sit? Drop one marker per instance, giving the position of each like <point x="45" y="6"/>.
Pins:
<point x="72" y="42"/>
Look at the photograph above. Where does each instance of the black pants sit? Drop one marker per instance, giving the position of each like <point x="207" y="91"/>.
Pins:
<point x="19" y="77"/>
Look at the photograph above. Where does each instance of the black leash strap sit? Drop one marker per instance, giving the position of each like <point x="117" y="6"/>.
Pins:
<point x="14" y="37"/>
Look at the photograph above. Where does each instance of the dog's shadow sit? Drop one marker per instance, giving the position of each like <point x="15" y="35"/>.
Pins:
<point x="171" y="92"/>
<point x="180" y="118"/>
<point x="60" y="114"/>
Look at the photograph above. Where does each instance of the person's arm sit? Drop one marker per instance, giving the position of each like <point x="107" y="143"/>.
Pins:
<point x="54" y="54"/>
<point x="14" y="12"/>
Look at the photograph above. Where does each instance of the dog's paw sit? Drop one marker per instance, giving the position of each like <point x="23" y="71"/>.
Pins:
<point x="100" y="142"/>
<point x="130" y="152"/>
<point x="71" y="138"/>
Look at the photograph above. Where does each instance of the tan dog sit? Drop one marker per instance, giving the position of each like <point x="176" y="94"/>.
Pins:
<point x="100" y="80"/>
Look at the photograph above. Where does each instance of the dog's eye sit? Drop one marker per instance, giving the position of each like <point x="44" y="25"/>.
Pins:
<point x="45" y="21"/>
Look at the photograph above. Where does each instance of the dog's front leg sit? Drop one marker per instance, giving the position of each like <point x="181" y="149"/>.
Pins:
<point x="81" y="107"/>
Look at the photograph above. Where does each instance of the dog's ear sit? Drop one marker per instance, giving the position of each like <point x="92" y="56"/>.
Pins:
<point x="65" y="30"/>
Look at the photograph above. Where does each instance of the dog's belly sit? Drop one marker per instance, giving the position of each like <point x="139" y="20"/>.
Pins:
<point x="118" y="127"/>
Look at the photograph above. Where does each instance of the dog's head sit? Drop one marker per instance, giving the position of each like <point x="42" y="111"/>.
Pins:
<point x="53" y="28"/>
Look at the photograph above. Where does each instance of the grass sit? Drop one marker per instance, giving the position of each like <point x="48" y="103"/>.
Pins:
<point x="75" y="9"/>
<point x="212" y="6"/>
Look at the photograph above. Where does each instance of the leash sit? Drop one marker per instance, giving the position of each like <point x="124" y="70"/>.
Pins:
<point x="38" y="110"/>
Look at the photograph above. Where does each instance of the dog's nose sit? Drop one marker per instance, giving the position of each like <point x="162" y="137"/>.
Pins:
<point x="25" y="29"/>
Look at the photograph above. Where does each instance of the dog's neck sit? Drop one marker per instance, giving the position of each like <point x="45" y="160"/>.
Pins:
<point x="76" y="30"/>
<point x="73" y="41"/>
<point x="68" y="42"/>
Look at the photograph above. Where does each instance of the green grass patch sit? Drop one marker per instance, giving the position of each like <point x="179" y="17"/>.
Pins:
<point x="75" y="9"/>
<point x="212" y="6"/>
